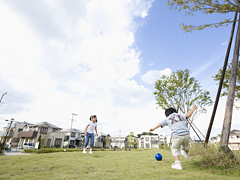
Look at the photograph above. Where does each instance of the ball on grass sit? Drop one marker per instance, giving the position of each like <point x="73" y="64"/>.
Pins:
<point x="158" y="157"/>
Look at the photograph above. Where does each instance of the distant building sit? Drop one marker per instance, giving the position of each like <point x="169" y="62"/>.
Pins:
<point x="103" y="140"/>
<point x="12" y="134"/>
<point x="118" y="142"/>
<point x="76" y="138"/>
<point x="149" y="142"/>
<point x="234" y="140"/>
<point x="51" y="135"/>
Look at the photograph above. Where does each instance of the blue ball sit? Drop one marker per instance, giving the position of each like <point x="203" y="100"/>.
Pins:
<point x="158" y="157"/>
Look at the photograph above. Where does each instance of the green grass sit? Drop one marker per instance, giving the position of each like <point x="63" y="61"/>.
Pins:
<point x="103" y="165"/>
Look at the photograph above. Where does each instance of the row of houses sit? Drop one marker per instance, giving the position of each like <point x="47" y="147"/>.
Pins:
<point x="53" y="136"/>
<point x="234" y="140"/>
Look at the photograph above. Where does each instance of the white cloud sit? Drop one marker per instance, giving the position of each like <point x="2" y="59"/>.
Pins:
<point x="153" y="75"/>
<point x="78" y="56"/>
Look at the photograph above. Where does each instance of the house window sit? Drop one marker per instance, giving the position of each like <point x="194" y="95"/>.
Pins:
<point x="58" y="142"/>
<point x="147" y="145"/>
<point x="55" y="130"/>
<point x="146" y="138"/>
<point x="44" y="130"/>
<point x="66" y="138"/>
<point x="73" y="134"/>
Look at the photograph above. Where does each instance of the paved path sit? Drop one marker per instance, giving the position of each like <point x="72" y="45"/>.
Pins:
<point x="14" y="153"/>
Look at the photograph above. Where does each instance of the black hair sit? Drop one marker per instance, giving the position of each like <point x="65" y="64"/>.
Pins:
<point x="93" y="116"/>
<point x="170" y="111"/>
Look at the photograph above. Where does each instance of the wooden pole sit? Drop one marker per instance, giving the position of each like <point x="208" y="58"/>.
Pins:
<point x="231" y="94"/>
<point x="221" y="81"/>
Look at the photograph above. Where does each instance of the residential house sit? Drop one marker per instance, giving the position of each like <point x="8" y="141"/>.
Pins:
<point x="13" y="132"/>
<point x="234" y="140"/>
<point x="118" y="142"/>
<point x="51" y="135"/>
<point x="149" y="142"/>
<point x="76" y="138"/>
<point x="103" y="140"/>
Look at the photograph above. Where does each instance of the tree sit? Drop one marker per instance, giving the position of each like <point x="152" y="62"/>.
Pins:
<point x="181" y="91"/>
<point x="205" y="7"/>
<point x="108" y="140"/>
<point x="131" y="140"/>
<point x="145" y="133"/>
<point x="222" y="7"/>
<point x="217" y="77"/>
<point x="40" y="141"/>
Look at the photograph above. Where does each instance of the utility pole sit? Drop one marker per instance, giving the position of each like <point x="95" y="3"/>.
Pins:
<point x="231" y="94"/>
<point x="2" y="96"/>
<point x="6" y="134"/>
<point x="221" y="81"/>
<point x="73" y="114"/>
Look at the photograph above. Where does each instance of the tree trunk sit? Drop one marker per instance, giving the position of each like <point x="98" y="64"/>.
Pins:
<point x="231" y="93"/>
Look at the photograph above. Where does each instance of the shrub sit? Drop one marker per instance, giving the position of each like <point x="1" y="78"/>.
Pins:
<point x="212" y="157"/>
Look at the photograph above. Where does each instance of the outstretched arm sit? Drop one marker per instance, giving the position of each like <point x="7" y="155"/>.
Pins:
<point x="157" y="126"/>
<point x="191" y="112"/>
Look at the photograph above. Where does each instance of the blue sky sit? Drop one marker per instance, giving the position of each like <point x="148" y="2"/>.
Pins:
<point x="163" y="42"/>
<point x="101" y="57"/>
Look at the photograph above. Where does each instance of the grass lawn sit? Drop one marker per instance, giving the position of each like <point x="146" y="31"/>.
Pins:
<point x="106" y="165"/>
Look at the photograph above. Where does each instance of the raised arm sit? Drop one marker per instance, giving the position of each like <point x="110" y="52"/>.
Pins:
<point x="157" y="126"/>
<point x="189" y="114"/>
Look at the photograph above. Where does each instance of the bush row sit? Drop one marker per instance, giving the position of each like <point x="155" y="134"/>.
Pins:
<point x="51" y="150"/>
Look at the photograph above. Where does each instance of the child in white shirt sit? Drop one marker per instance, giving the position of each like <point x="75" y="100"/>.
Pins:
<point x="89" y="133"/>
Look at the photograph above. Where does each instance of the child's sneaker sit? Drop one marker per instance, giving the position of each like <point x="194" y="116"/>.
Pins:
<point x="177" y="165"/>
<point x="90" y="152"/>
<point x="84" y="151"/>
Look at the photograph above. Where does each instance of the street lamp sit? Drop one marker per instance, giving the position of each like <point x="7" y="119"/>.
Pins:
<point x="2" y="96"/>
<point x="73" y="114"/>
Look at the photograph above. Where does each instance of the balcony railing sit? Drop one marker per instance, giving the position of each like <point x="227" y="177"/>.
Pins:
<point x="31" y="134"/>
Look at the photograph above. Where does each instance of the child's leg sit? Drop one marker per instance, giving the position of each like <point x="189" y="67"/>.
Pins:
<point x="177" y="158"/>
<point x="86" y="141"/>
<point x="185" y="146"/>
<point x="176" y="144"/>
<point x="92" y="141"/>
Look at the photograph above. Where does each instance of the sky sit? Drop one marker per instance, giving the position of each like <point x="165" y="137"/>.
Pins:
<point x="102" y="57"/>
